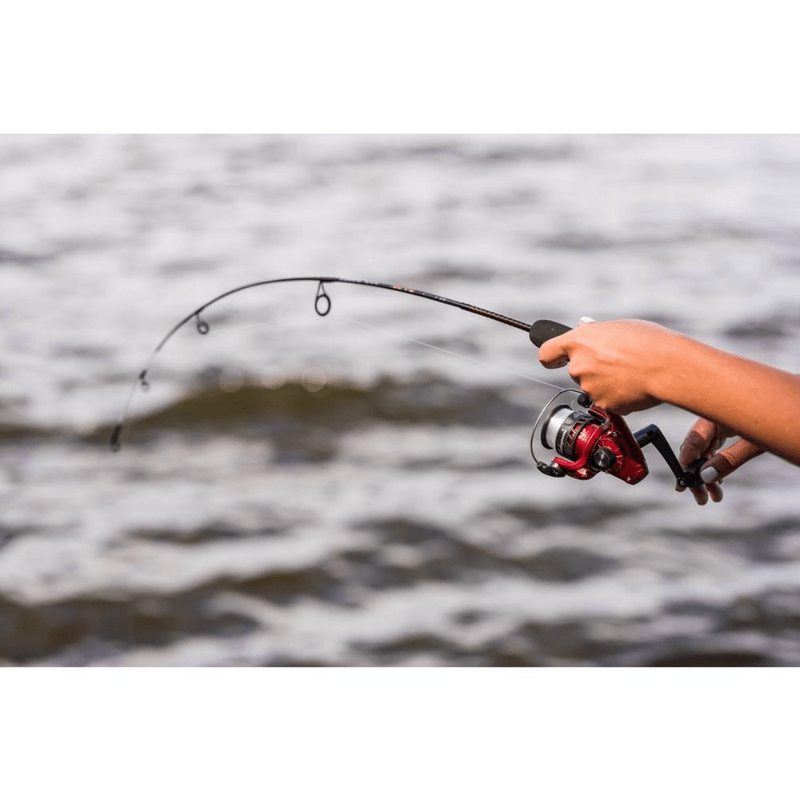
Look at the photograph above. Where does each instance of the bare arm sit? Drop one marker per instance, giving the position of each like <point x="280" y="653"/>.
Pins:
<point x="629" y="365"/>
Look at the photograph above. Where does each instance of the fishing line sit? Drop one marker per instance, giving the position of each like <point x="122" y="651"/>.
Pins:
<point x="398" y="335"/>
<point x="403" y="336"/>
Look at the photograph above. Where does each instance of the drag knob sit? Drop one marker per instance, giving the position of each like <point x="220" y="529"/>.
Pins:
<point x="603" y="459"/>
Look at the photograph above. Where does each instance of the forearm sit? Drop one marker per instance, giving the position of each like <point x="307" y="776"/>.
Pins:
<point x="750" y="398"/>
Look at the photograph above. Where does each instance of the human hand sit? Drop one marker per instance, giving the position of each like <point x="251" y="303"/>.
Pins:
<point x="616" y="363"/>
<point x="704" y="440"/>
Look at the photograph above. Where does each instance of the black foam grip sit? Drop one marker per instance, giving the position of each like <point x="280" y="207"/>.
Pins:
<point x="544" y="329"/>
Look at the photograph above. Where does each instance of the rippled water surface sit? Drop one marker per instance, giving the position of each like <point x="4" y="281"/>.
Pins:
<point x="305" y="490"/>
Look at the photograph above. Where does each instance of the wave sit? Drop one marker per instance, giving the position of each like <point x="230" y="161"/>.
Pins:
<point x="335" y="408"/>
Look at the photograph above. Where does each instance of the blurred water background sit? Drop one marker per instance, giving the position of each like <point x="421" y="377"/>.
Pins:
<point x="326" y="491"/>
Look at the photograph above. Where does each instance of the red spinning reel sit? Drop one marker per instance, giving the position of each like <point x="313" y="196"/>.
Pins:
<point x="588" y="440"/>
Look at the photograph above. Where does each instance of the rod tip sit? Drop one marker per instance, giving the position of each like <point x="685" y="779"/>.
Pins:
<point x="114" y="444"/>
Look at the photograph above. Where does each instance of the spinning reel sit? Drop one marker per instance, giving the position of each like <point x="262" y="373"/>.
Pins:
<point x="588" y="440"/>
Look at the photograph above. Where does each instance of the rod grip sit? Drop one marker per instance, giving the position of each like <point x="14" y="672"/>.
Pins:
<point x="544" y="329"/>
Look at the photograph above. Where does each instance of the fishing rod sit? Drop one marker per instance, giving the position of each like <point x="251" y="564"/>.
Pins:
<point x="586" y="439"/>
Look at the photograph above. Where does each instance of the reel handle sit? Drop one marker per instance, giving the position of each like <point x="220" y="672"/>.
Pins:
<point x="689" y="477"/>
<point x="544" y="329"/>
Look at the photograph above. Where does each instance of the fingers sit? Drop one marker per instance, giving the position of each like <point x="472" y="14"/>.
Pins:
<point x="728" y="460"/>
<point x="701" y="441"/>
<point x="701" y="494"/>
<point x="719" y="465"/>
<point x="698" y="441"/>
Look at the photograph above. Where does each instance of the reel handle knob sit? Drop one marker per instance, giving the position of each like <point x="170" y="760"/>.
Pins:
<point x="544" y="329"/>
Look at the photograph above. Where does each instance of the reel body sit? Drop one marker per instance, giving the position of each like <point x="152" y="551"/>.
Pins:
<point x="587" y="440"/>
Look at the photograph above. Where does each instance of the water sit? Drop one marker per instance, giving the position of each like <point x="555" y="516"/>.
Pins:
<point x="304" y="490"/>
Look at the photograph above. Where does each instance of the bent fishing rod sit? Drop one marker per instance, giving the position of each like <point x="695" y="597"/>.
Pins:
<point x="585" y="439"/>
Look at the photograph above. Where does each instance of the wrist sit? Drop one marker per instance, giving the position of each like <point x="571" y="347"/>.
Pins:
<point x="675" y="368"/>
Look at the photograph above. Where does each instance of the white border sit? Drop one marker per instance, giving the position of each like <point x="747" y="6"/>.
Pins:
<point x="399" y="733"/>
<point x="433" y="66"/>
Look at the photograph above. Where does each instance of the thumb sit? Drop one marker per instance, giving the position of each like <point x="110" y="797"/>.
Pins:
<point x="554" y="353"/>
<point x="727" y="461"/>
